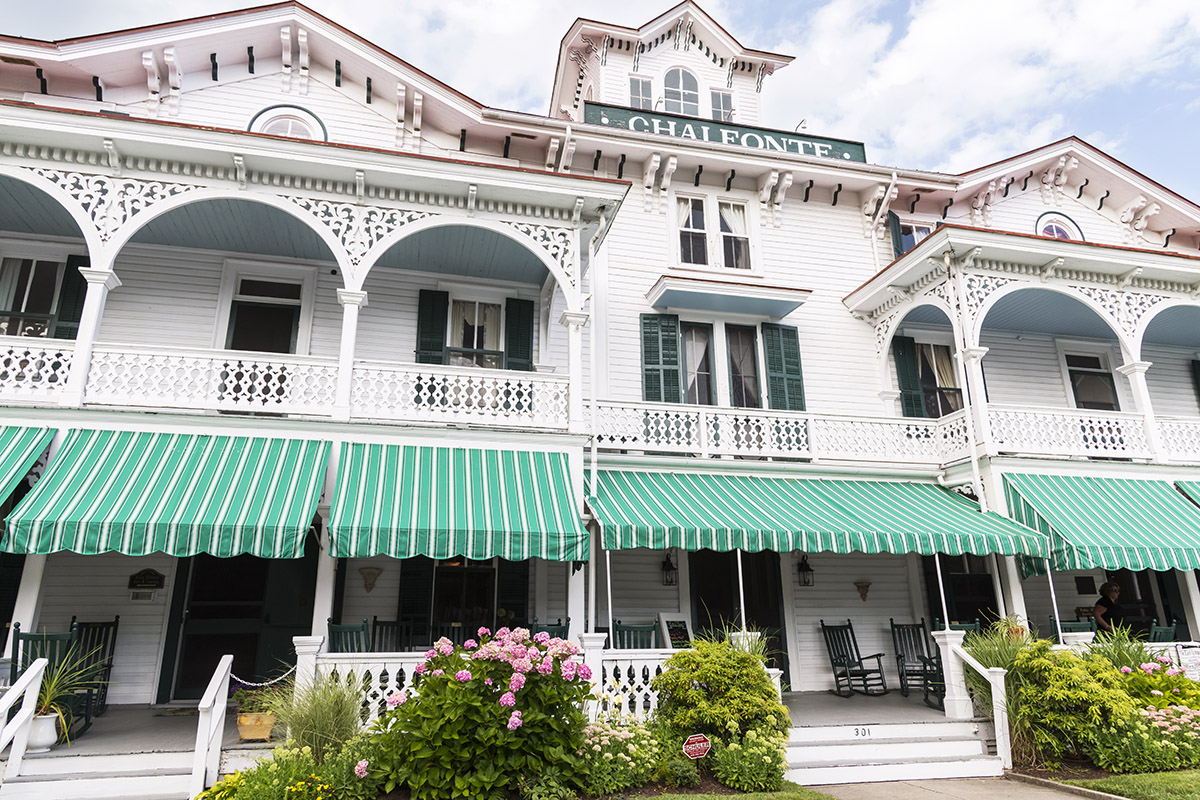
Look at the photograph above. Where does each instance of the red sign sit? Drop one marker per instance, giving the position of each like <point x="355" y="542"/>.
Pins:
<point x="696" y="746"/>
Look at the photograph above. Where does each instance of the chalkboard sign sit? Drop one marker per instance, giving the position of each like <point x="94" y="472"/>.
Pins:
<point x="1189" y="659"/>
<point x="675" y="632"/>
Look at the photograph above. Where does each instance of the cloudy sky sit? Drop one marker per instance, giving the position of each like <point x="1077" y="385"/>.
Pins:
<point x="936" y="84"/>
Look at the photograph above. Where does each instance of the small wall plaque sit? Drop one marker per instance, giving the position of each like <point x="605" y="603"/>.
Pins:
<point x="147" y="579"/>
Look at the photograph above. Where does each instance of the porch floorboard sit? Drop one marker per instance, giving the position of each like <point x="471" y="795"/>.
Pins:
<point x="140" y="729"/>
<point x="819" y="709"/>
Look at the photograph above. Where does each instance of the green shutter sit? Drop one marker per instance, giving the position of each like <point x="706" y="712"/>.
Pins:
<point x="70" y="298"/>
<point x="512" y="591"/>
<point x="912" y="400"/>
<point x="518" y="334"/>
<point x="897" y="239"/>
<point x="661" y="375"/>
<point x="416" y="595"/>
<point x="431" y="326"/>
<point x="785" y="378"/>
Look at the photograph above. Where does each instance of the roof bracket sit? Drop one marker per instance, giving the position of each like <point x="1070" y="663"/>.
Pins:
<point x="621" y="167"/>
<point x="595" y="161"/>
<point x="912" y="207"/>
<point x="239" y="168"/>
<point x="285" y="39"/>
<point x="418" y="101"/>
<point x="568" y="153"/>
<point x="1196" y="296"/>
<point x="174" y="81"/>
<point x="665" y="183"/>
<point x="360" y="185"/>
<point x="1103" y="197"/>
<point x="1127" y="277"/>
<point x="577" y="212"/>
<point x="401" y="91"/>
<point x="729" y="176"/>
<point x="836" y="192"/>
<point x="968" y="261"/>
<point x="153" y="82"/>
<point x="302" y="38"/>
<point x="1025" y="183"/>
<point x="949" y="203"/>
<point x="552" y="152"/>
<point x="1047" y="271"/>
<point x="766" y="185"/>
<point x="1082" y="186"/>
<point x="114" y="158"/>
<point x="1167" y="238"/>
<point x="699" y="172"/>
<point x="1008" y="184"/>
<point x="472" y="196"/>
<point x="808" y="189"/>
<point x="649" y="170"/>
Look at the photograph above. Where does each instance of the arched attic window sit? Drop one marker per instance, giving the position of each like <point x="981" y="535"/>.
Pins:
<point x="1058" y="226"/>
<point x="293" y="122"/>
<point x="681" y="92"/>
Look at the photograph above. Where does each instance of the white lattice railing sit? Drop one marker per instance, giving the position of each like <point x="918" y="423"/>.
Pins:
<point x="1067" y="432"/>
<point x="379" y="674"/>
<point x="624" y="681"/>
<point x="436" y="393"/>
<point x="1180" y="438"/>
<point x="33" y="369"/>
<point x="222" y="380"/>
<point x="710" y="430"/>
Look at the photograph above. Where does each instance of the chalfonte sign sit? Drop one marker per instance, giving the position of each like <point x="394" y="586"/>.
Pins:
<point x="702" y="130"/>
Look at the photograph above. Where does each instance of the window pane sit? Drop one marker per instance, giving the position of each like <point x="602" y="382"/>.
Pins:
<point x="1094" y="390"/>
<point x="475" y="327"/>
<point x="1084" y="362"/>
<point x="682" y="93"/>
<point x="43" y="282"/>
<point x="692" y="248"/>
<point x="734" y="231"/>
<point x="18" y="271"/>
<point x="697" y="353"/>
<point x="274" y="289"/>
<point x="640" y="93"/>
<point x="293" y="127"/>
<point x="722" y="106"/>
<point x="743" y="367"/>
<point x="693" y="243"/>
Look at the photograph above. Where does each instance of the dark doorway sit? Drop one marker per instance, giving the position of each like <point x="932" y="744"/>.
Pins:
<point x="1137" y="598"/>
<point x="11" y="564"/>
<point x="247" y="606"/>
<point x="714" y="580"/>
<point x="970" y="591"/>
<point x="464" y="597"/>
<point x="263" y="327"/>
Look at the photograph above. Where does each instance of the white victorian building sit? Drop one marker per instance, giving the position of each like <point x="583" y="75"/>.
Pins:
<point x="295" y="332"/>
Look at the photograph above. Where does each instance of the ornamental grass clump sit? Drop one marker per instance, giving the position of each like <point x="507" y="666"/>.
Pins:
<point x="483" y="715"/>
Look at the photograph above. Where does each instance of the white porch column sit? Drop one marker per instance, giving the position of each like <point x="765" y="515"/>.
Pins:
<point x="29" y="598"/>
<point x="973" y="356"/>
<point x="1135" y="371"/>
<point x="958" y="701"/>
<point x="576" y="600"/>
<point x="100" y="281"/>
<point x="326" y="581"/>
<point x="574" y="321"/>
<point x="1189" y="590"/>
<point x="1014" y="592"/>
<point x="351" y="303"/>
<point x="307" y="649"/>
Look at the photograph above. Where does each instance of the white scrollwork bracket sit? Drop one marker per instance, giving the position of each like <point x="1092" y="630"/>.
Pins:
<point x="111" y="202"/>
<point x="558" y="243"/>
<point x="358" y="228"/>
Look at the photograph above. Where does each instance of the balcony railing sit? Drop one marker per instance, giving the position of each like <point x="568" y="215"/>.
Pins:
<point x="1180" y="438"/>
<point x="712" y="431"/>
<point x="217" y="380"/>
<point x="33" y="369"/>
<point x="434" y="393"/>
<point x="1068" y="432"/>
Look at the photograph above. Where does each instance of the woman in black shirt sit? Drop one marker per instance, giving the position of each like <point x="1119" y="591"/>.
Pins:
<point x="1106" y="611"/>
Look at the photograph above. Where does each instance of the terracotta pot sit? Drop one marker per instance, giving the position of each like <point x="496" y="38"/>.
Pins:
<point x="43" y="733"/>
<point x="255" y="726"/>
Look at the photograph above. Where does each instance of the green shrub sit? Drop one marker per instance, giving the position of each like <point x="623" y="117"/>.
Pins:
<point x="1159" y="683"/>
<point x="224" y="789"/>
<point x="1062" y="701"/>
<point x="680" y="773"/>
<point x="484" y="714"/>
<point x="270" y="779"/>
<point x="1134" y="747"/>
<point x="323" y="715"/>
<point x="615" y="757"/>
<point x="338" y="771"/>
<point x="549" y="785"/>
<point x="755" y="764"/>
<point x="704" y="689"/>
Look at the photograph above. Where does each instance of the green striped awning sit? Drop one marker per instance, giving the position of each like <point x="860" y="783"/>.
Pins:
<point x="19" y="450"/>
<point x="1108" y="523"/>
<point x="175" y="493"/>
<point x="723" y="512"/>
<point x="404" y="501"/>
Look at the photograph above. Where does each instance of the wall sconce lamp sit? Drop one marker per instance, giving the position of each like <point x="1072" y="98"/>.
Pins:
<point x="369" y="576"/>
<point x="670" y="572"/>
<point x="805" y="571"/>
<point x="863" y="587"/>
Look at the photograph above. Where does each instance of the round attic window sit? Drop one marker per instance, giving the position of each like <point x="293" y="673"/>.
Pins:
<point x="290" y="121"/>
<point x="1058" y="226"/>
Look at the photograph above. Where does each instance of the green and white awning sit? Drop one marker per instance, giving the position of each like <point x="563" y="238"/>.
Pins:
<point x="19" y="451"/>
<point x="1108" y="523"/>
<point x="180" y="494"/>
<point x="696" y="511"/>
<point x="404" y="501"/>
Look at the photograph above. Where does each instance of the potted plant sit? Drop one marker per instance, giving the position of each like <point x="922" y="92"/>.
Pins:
<point x="255" y="719"/>
<point x="68" y="686"/>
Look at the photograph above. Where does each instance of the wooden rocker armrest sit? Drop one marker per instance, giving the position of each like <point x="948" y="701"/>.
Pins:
<point x="877" y="656"/>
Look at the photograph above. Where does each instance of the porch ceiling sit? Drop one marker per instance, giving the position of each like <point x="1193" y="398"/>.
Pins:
<point x="237" y="226"/>
<point x="467" y="251"/>
<point x="24" y="209"/>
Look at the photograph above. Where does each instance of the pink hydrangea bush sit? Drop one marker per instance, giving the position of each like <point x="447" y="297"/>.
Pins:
<point x="1160" y="683"/>
<point x="483" y="714"/>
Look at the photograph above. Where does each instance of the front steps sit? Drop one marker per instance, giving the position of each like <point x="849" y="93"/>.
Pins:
<point x="867" y="753"/>
<point x="124" y="776"/>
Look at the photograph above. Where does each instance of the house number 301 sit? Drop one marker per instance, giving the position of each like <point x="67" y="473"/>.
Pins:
<point x="861" y="732"/>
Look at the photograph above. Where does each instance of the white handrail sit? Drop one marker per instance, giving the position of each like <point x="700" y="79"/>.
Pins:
<point x="16" y="731"/>
<point x="996" y="677"/>
<point x="211" y="726"/>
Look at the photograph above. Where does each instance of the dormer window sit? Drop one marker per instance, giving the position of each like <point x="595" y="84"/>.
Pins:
<point x="682" y="93"/>
<point x="722" y="106"/>
<point x="293" y="122"/>
<point x="641" y="93"/>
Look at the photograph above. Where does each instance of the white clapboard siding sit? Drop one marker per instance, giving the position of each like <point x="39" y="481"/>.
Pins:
<point x="1024" y="371"/>
<point x="382" y="601"/>
<point x="834" y="598"/>
<point x="1037" y="598"/>
<point x="95" y="589"/>
<point x="637" y="591"/>
<point x="1019" y="212"/>
<point x="654" y="65"/>
<point x="170" y="300"/>
<point x="1172" y="385"/>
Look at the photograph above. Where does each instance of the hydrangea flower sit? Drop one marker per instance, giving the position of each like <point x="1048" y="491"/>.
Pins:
<point x="462" y="676"/>
<point x="585" y="672"/>
<point x="470" y="644"/>
<point x="508" y="699"/>
<point x="541" y="637"/>
<point x="482" y="632"/>
<point x="514" y="721"/>
<point x="439" y="672"/>
<point x="420" y="669"/>
<point x="360" y="769"/>
<point x="546" y="667"/>
<point x="569" y="669"/>
<point x="516" y="682"/>
<point x="396" y="699"/>
<point x="1127" y="670"/>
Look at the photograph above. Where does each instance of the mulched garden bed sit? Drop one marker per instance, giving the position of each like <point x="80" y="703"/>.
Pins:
<point x="708" y="785"/>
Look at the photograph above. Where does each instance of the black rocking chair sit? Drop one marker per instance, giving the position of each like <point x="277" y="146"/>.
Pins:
<point x="848" y="664"/>
<point x="912" y="654"/>
<point x="98" y="644"/>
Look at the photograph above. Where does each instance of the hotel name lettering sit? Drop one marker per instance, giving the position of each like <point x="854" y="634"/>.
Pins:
<point x="702" y="130"/>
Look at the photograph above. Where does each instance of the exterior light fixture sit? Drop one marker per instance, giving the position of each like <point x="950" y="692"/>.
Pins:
<point x="806" y="572"/>
<point x="863" y="587"/>
<point x="670" y="572"/>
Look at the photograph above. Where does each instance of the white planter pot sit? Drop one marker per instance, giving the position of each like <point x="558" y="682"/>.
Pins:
<point x="43" y="733"/>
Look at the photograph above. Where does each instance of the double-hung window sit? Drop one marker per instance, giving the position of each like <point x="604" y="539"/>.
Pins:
<point x="693" y="239"/>
<point x="698" y="363"/>
<point x="681" y="93"/>
<point x="735" y="236"/>
<point x="927" y="379"/>
<point x="466" y="332"/>
<point x="745" y="390"/>
<point x="722" y="106"/>
<point x="641" y="93"/>
<point x="730" y="243"/>
<point x="474" y="339"/>
<point x="1092" y="384"/>
<point x="41" y="297"/>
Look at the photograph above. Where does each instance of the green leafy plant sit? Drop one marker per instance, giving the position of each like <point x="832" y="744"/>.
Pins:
<point x="225" y="789"/>
<point x="753" y="763"/>
<point x="552" y="784"/>
<point x="253" y="701"/>
<point x="1135" y="746"/>
<point x="1159" y="683"/>
<point x="703" y="689"/>
<point x="269" y="779"/>
<point x="1121" y="648"/>
<point x="484" y="714"/>
<point x="679" y="773"/>
<point x="62" y="684"/>
<point x="615" y="756"/>
<point x="345" y="772"/>
<point x="996" y="646"/>
<point x="322" y="716"/>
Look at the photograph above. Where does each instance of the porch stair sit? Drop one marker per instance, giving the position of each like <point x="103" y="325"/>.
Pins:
<point x="866" y="753"/>
<point x="127" y="776"/>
